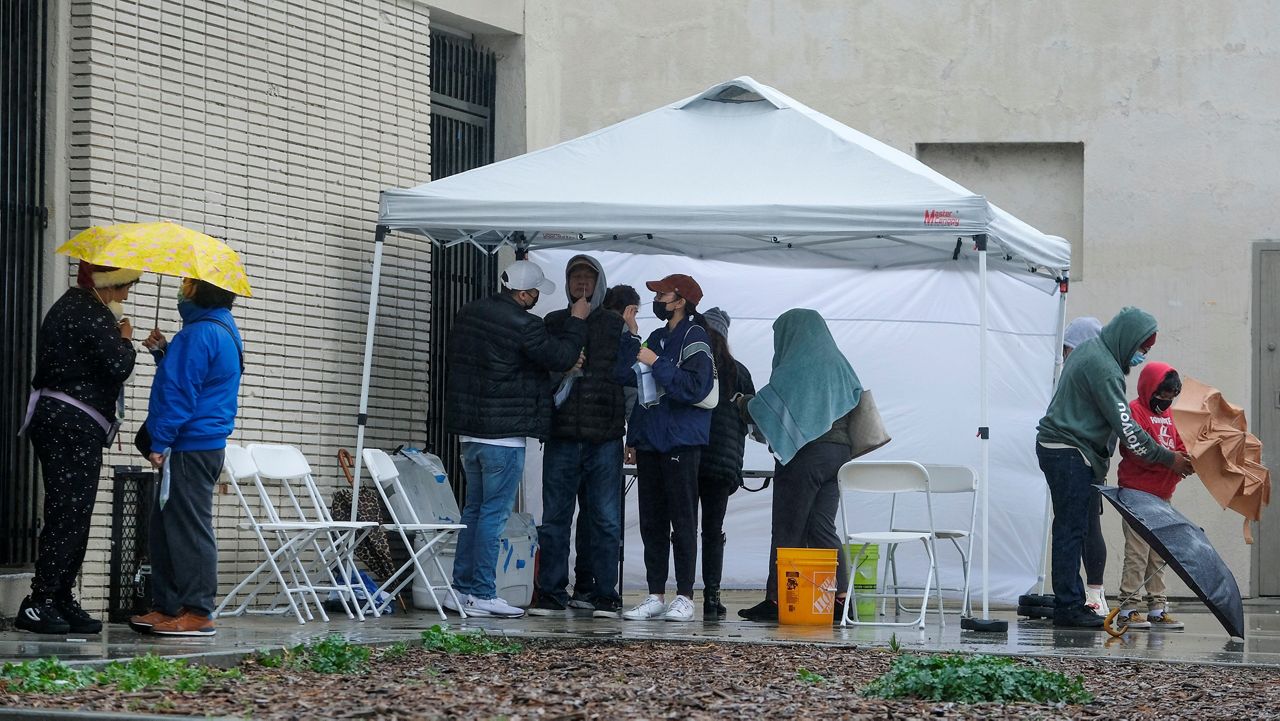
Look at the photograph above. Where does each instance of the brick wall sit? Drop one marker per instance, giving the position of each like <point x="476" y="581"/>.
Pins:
<point x="272" y="125"/>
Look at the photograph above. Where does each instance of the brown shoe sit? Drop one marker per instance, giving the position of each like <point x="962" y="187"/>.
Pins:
<point x="188" y="624"/>
<point x="144" y="623"/>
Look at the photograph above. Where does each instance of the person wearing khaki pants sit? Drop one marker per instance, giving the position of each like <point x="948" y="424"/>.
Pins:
<point x="1158" y="385"/>
<point x="1143" y="568"/>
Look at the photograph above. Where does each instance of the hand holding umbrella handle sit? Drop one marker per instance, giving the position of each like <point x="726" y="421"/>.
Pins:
<point x="1182" y="465"/>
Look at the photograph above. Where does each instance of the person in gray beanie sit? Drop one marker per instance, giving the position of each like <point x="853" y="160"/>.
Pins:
<point x="1078" y="331"/>
<point x="720" y="468"/>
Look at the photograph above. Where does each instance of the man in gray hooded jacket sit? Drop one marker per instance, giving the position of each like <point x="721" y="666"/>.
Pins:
<point x="585" y="448"/>
<point x="1073" y="445"/>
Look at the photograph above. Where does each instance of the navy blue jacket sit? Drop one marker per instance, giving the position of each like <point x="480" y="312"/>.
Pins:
<point x="685" y="372"/>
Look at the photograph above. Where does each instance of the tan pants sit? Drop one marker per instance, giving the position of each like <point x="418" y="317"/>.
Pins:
<point x="1140" y="563"/>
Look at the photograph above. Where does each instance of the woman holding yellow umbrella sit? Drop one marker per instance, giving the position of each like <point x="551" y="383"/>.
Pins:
<point x="191" y="412"/>
<point x="84" y="354"/>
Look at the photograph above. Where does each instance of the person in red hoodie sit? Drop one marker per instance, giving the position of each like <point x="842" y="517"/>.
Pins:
<point x="1158" y="386"/>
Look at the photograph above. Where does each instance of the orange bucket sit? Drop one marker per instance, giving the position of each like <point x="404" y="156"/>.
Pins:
<point x="806" y="586"/>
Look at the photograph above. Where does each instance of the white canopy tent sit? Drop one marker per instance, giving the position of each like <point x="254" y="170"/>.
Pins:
<point x="740" y="173"/>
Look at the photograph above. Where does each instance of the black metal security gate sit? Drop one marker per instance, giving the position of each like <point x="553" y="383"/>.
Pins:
<point x="463" y="88"/>
<point x="22" y="221"/>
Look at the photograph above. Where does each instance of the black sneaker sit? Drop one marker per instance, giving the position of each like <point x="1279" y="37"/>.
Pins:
<point x="547" y="606"/>
<point x="1080" y="616"/>
<point x="41" y="617"/>
<point x="712" y="609"/>
<point x="607" y="608"/>
<point x="583" y="600"/>
<point x="76" y="617"/>
<point x="765" y="611"/>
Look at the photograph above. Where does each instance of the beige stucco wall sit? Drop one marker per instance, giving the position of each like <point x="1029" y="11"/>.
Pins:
<point x="1177" y="105"/>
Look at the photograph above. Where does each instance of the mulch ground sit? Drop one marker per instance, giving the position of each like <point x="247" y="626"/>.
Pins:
<point x="626" y="680"/>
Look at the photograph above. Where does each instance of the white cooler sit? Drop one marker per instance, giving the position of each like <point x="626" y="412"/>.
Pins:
<point x="427" y="489"/>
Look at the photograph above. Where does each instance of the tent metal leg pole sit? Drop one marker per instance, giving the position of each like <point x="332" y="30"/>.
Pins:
<point x="362" y="415"/>
<point x="1063" y="285"/>
<point x="986" y="623"/>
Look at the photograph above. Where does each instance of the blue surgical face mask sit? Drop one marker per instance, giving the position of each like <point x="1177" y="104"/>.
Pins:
<point x="1138" y="359"/>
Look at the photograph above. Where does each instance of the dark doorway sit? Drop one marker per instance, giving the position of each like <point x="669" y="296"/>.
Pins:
<point x="23" y="217"/>
<point x="463" y="87"/>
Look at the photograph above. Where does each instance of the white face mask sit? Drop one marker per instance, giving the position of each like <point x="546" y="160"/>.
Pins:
<point x="117" y="309"/>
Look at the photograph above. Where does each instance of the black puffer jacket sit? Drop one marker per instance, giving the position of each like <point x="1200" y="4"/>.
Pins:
<point x="595" y="410"/>
<point x="79" y="352"/>
<point x="722" y="458"/>
<point x="499" y="354"/>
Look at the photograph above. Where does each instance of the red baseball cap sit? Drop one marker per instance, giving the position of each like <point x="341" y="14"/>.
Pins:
<point x="680" y="284"/>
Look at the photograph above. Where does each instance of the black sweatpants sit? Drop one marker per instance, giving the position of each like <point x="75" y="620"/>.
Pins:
<point x="806" y="498"/>
<point x="68" y="444"/>
<point x="713" y="497"/>
<point x="184" y="549"/>
<point x="668" y="500"/>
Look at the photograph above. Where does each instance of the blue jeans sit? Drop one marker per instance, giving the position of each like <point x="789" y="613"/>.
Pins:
<point x="596" y="469"/>
<point x="493" y="476"/>
<point x="1071" y="489"/>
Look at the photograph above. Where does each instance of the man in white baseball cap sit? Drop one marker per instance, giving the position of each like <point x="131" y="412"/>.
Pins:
<point x="497" y="394"/>
<point x="525" y="275"/>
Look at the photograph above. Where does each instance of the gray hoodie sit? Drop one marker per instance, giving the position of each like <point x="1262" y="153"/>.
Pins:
<point x="597" y="297"/>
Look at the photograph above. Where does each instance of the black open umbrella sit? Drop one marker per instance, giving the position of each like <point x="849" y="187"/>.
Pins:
<point x="1183" y="545"/>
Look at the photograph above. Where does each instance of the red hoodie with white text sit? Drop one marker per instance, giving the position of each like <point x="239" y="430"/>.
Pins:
<point x="1133" y="472"/>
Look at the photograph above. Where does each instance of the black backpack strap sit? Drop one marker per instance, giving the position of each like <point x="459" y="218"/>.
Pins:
<point x="227" y="328"/>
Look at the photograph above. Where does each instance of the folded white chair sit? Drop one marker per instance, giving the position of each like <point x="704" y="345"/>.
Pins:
<point x="281" y="543"/>
<point x="887" y="477"/>
<point x="335" y="543"/>
<point x="943" y="480"/>
<point x="405" y="522"/>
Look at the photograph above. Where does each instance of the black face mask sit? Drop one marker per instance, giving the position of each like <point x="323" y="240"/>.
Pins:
<point x="660" y="309"/>
<point x="1160" y="405"/>
<point x="535" y="301"/>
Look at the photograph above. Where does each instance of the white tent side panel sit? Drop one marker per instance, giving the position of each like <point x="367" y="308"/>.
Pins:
<point x="912" y="336"/>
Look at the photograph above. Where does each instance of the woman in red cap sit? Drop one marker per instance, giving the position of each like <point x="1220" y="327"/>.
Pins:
<point x="667" y="435"/>
<point x="84" y="354"/>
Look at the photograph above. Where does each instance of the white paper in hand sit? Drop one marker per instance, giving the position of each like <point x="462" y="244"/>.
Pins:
<point x="164" y="479"/>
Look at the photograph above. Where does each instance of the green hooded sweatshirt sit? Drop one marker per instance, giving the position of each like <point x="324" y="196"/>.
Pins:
<point x="1089" y="404"/>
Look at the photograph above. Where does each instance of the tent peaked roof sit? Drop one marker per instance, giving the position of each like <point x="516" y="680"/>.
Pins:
<point x="739" y="172"/>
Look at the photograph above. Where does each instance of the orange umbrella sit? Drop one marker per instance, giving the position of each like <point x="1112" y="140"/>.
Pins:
<point x="1226" y="456"/>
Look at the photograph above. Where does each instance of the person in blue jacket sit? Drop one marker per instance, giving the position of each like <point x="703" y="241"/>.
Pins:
<point x="667" y="436"/>
<point x="191" y="414"/>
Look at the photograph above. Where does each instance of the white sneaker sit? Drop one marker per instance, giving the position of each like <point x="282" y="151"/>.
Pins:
<point x="495" y="607"/>
<point x="651" y="607"/>
<point x="1096" y="600"/>
<point x="681" y="610"/>
<point x="446" y="600"/>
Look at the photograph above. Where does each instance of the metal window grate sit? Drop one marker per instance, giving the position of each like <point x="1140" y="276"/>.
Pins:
<point x="130" y="582"/>
<point x="22" y="221"/>
<point x="463" y="91"/>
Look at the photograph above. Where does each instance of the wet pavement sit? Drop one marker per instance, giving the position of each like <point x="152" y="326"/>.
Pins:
<point x="1203" y="640"/>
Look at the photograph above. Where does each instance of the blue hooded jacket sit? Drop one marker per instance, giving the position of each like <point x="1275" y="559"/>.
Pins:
<point x="194" y="395"/>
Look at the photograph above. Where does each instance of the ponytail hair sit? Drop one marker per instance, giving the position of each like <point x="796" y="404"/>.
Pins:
<point x="726" y="366"/>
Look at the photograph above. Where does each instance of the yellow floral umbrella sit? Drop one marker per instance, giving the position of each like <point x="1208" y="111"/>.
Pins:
<point x="165" y="248"/>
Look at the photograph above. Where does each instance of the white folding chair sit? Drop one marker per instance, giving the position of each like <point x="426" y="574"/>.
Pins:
<point x="335" y="543"/>
<point x="405" y="522"/>
<point x="950" y="480"/>
<point x="887" y="477"/>
<point x="281" y="542"/>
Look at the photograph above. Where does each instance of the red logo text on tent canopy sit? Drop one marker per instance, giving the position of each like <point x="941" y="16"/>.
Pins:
<point x="941" y="217"/>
